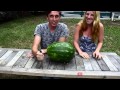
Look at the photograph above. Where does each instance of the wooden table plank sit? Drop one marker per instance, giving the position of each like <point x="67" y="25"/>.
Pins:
<point x="11" y="63"/>
<point x="5" y="55"/>
<point x="94" y="64"/>
<point x="61" y="73"/>
<point x="34" y="64"/>
<point x="2" y="52"/>
<point x="108" y="53"/>
<point x="56" y="66"/>
<point x="45" y="62"/>
<point x="79" y="63"/>
<point x="21" y="62"/>
<point x="117" y="58"/>
<point x="30" y="62"/>
<point x="60" y="66"/>
<point x="52" y="65"/>
<point x="87" y="64"/>
<point x="102" y="65"/>
<point x="114" y="61"/>
<point x="10" y="57"/>
<point x="37" y="64"/>
<point x="109" y="63"/>
<point x="71" y="65"/>
<point x="15" y="49"/>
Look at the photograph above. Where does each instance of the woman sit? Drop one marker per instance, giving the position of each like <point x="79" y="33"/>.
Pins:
<point x="89" y="35"/>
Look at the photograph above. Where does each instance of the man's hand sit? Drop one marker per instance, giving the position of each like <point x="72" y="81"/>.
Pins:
<point x="43" y="51"/>
<point x="30" y="55"/>
<point x="40" y="56"/>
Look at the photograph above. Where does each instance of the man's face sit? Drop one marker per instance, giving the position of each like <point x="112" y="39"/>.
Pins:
<point x="53" y="18"/>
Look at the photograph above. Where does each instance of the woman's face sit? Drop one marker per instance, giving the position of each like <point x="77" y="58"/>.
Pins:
<point x="89" y="17"/>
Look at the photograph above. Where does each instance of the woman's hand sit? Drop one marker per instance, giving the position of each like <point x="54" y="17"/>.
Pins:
<point x="84" y="55"/>
<point x="97" y="55"/>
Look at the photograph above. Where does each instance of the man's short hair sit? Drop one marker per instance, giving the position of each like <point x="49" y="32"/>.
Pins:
<point x="48" y="12"/>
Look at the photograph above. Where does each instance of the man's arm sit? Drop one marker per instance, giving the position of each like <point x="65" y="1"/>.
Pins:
<point x="35" y="46"/>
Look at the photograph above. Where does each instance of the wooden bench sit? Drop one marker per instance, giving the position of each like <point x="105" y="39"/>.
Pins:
<point x="14" y="61"/>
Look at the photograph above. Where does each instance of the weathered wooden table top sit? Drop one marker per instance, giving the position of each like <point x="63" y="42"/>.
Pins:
<point x="15" y="61"/>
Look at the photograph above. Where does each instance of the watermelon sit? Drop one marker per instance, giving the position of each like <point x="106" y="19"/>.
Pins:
<point x="61" y="52"/>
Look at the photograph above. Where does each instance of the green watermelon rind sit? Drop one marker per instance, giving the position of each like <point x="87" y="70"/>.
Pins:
<point x="61" y="52"/>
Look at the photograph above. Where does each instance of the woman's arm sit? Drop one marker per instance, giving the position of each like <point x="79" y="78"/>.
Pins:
<point x="76" y="38"/>
<point x="100" y="42"/>
<point x="100" y="38"/>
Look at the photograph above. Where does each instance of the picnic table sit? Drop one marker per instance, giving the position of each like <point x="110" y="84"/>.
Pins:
<point x="15" y="61"/>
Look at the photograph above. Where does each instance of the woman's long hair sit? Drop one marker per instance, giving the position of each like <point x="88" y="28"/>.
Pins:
<point x="95" y="27"/>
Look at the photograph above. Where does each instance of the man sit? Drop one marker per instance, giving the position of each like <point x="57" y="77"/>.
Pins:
<point x="47" y="33"/>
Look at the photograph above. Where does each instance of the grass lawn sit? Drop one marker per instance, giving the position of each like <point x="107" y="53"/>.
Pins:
<point x="19" y="34"/>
